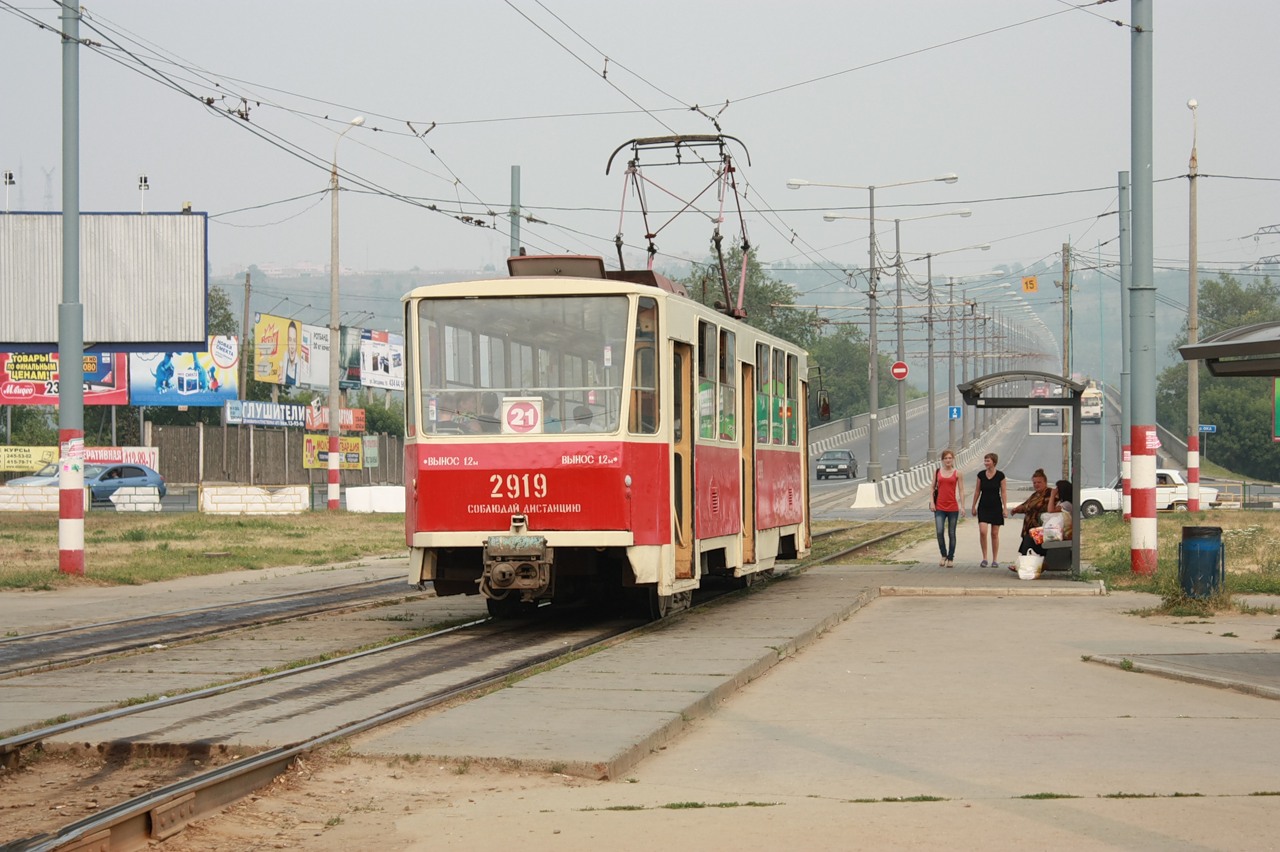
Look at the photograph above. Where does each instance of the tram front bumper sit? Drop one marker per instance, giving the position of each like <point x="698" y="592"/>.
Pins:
<point x="519" y="563"/>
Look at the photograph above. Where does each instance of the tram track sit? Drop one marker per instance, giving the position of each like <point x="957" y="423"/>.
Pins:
<point x="162" y="812"/>
<point x="80" y="644"/>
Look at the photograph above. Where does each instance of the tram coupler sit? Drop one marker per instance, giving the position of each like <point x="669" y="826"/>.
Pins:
<point x="517" y="562"/>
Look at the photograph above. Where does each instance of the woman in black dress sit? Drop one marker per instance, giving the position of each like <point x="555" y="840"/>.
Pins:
<point x="989" y="507"/>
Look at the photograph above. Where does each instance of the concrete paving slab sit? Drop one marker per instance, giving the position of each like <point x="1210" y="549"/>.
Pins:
<point x="1253" y="672"/>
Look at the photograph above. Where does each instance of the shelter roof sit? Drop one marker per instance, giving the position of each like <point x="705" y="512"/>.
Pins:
<point x="1247" y="350"/>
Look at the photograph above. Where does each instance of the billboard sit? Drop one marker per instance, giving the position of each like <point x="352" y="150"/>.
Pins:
<point x="315" y="452"/>
<point x="26" y="459"/>
<point x="382" y="360"/>
<point x="349" y="419"/>
<point x="349" y="358"/>
<point x="143" y="280"/>
<point x="207" y="377"/>
<point x="31" y="378"/>
<point x="237" y="412"/>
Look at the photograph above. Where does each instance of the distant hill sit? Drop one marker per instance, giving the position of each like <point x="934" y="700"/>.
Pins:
<point x="305" y="296"/>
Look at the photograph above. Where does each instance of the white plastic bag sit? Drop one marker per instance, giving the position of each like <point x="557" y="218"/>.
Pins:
<point x="1030" y="564"/>
<point x="1053" y="526"/>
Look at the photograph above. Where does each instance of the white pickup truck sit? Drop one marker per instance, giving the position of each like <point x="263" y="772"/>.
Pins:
<point x="1171" y="494"/>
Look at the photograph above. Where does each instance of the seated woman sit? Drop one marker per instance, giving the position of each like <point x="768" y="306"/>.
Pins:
<point x="1060" y="501"/>
<point x="1031" y="509"/>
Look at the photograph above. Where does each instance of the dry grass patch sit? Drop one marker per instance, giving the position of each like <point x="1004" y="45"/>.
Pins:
<point x="130" y="549"/>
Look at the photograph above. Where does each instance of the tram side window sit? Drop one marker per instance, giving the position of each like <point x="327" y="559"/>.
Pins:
<point x="728" y="387"/>
<point x="644" y="382"/>
<point x="793" y="401"/>
<point x="706" y="380"/>
<point x="779" y="391"/>
<point x="762" y="393"/>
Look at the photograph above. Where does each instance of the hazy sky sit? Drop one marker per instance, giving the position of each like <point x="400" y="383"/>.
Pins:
<point x="1027" y="100"/>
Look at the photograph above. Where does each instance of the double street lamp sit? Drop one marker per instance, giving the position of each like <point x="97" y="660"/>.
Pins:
<point x="335" y="454"/>
<point x="873" y="274"/>
<point x="933" y="444"/>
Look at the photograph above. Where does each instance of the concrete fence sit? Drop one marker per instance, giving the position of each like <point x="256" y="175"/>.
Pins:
<point x="260" y="455"/>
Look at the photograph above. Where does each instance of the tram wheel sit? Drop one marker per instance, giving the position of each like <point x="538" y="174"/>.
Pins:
<point x="661" y="606"/>
<point x="507" y="607"/>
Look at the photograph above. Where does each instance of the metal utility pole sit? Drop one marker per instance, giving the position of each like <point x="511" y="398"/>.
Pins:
<point x="873" y="354"/>
<point x="933" y="444"/>
<point x="904" y="461"/>
<point x="1143" y="440"/>
<point x="515" y="210"/>
<point x="951" y="361"/>
<point x="1066" y="349"/>
<point x="245" y="337"/>
<point x="334" y="491"/>
<point x="1193" y="367"/>
<point x="1126" y="271"/>
<point x="71" y="314"/>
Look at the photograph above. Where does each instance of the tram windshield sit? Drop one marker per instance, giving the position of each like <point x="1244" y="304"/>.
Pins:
<point x="511" y="365"/>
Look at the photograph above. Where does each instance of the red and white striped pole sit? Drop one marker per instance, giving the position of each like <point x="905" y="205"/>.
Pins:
<point x="71" y="501"/>
<point x="1193" y="462"/>
<point x="334" y="458"/>
<point x="1142" y="524"/>
<point x="1126" y="474"/>
<point x="71" y="314"/>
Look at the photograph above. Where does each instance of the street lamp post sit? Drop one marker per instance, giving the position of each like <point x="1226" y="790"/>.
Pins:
<point x="933" y="444"/>
<point x="1193" y="328"/>
<point x="334" y="339"/>
<point x="873" y="277"/>
<point x="904" y="460"/>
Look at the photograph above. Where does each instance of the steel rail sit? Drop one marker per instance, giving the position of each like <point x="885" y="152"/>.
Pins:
<point x="196" y="631"/>
<point x="165" y="812"/>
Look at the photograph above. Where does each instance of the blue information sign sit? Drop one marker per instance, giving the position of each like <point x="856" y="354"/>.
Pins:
<point x="1208" y="427"/>
<point x="953" y="412"/>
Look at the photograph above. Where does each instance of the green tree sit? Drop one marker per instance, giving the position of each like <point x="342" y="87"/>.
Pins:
<point x="769" y="303"/>
<point x="842" y="359"/>
<point x="33" y="425"/>
<point x="1241" y="408"/>
<point x="379" y="417"/>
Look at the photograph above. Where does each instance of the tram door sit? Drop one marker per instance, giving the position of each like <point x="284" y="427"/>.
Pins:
<point x="683" y="413"/>
<point x="747" y="431"/>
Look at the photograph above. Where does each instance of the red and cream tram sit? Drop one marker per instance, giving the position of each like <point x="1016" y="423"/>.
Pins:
<point x="575" y="432"/>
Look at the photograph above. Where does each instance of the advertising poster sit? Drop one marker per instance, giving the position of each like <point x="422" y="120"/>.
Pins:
<point x="314" y="355"/>
<point x="171" y="379"/>
<point x="26" y="459"/>
<point x="31" y="378"/>
<point x="247" y="412"/>
<point x="315" y="452"/>
<point x="382" y="360"/>
<point x="277" y="349"/>
<point x="349" y="419"/>
<point x="349" y="358"/>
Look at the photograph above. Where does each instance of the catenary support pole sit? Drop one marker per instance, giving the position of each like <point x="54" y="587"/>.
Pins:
<point x="1143" y="440"/>
<point x="1126" y="273"/>
<point x="904" y="460"/>
<point x="1193" y="326"/>
<point x="515" y="210"/>
<point x="71" y="314"/>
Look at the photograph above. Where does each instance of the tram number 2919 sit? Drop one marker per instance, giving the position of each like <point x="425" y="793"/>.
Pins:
<point x="516" y="485"/>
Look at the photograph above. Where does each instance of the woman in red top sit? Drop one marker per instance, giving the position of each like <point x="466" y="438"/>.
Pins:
<point x="945" y="502"/>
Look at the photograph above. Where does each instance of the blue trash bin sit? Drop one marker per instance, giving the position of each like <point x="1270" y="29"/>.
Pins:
<point x="1201" y="561"/>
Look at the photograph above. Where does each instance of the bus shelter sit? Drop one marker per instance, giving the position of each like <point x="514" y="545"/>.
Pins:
<point x="1010" y="389"/>
<point x="1247" y="350"/>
